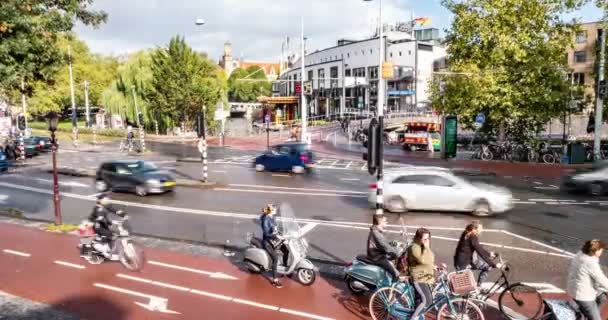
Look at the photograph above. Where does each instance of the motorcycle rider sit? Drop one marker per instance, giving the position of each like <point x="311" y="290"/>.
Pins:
<point x="379" y="249"/>
<point x="273" y="242"/>
<point x="101" y="225"/>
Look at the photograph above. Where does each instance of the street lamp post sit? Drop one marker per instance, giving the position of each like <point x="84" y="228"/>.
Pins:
<point x="380" y="107"/>
<point x="52" y="119"/>
<point x="304" y="136"/>
<point x="74" y="116"/>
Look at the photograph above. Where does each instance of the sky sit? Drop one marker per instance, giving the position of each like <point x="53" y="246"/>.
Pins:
<point x="256" y="28"/>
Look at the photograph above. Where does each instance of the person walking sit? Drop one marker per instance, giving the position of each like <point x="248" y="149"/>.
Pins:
<point x="421" y="263"/>
<point x="471" y="254"/>
<point x="587" y="283"/>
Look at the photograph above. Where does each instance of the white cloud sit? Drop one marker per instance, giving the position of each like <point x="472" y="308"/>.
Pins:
<point x="256" y="28"/>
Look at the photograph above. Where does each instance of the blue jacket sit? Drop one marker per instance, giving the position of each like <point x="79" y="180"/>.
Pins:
<point x="269" y="227"/>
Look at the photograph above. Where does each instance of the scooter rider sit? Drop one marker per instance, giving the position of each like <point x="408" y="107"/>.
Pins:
<point x="101" y="225"/>
<point x="379" y="249"/>
<point x="273" y="242"/>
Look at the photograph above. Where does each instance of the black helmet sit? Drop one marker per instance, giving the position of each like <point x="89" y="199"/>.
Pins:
<point x="102" y="198"/>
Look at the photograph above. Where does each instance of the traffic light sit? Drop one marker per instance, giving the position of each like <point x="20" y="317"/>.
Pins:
<point x="140" y="119"/>
<point x="602" y="89"/>
<point x="373" y="146"/>
<point x="200" y="124"/>
<point x="21" y="122"/>
<point x="591" y="123"/>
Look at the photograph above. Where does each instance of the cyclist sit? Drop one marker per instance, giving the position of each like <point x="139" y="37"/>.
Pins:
<point x="379" y="249"/>
<point x="587" y="283"/>
<point x="421" y="263"/>
<point x="471" y="254"/>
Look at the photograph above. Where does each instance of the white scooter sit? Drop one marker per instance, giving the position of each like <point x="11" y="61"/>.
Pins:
<point x="258" y="260"/>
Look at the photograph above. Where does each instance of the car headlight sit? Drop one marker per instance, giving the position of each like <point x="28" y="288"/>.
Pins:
<point x="153" y="182"/>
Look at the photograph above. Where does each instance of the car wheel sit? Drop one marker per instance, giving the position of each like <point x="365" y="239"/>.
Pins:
<point x="597" y="189"/>
<point x="481" y="209"/>
<point x="413" y="148"/>
<point x="259" y="167"/>
<point x="141" y="191"/>
<point x="297" y="169"/>
<point x="396" y="204"/>
<point x="101" y="186"/>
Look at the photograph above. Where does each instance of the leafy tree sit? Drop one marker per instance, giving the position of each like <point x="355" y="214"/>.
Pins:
<point x="509" y="60"/>
<point x="29" y="36"/>
<point x="184" y="81"/>
<point x="245" y="85"/>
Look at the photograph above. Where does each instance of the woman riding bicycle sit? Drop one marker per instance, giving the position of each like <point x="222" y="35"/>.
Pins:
<point x="471" y="254"/>
<point x="587" y="283"/>
<point x="421" y="263"/>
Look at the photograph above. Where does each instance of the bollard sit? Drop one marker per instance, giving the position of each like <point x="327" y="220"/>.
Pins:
<point x="142" y="140"/>
<point x="156" y="127"/>
<point x="94" y="135"/>
<point x="75" y="137"/>
<point x="202" y="148"/>
<point x="21" y="147"/>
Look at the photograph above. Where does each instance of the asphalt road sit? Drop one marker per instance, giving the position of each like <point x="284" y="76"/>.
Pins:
<point x="332" y="202"/>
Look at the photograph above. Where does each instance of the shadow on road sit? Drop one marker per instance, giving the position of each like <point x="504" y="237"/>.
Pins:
<point x="90" y="307"/>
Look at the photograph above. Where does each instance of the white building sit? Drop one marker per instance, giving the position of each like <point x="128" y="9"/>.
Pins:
<point x="354" y="64"/>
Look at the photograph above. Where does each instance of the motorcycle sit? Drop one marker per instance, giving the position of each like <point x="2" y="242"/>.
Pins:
<point x="258" y="259"/>
<point x="122" y="247"/>
<point x="362" y="275"/>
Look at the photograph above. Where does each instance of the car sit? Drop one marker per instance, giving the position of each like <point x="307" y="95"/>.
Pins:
<point x="294" y="157"/>
<point x="593" y="181"/>
<point x="44" y="142"/>
<point x="3" y="161"/>
<point x="137" y="176"/>
<point x="420" y="188"/>
<point x="32" y="148"/>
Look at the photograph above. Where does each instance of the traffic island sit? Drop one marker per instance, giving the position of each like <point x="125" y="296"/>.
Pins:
<point x="191" y="183"/>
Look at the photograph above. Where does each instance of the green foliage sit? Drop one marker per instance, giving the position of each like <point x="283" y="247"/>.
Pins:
<point x="243" y="84"/>
<point x="184" y="81"/>
<point x="510" y="56"/>
<point x="29" y="37"/>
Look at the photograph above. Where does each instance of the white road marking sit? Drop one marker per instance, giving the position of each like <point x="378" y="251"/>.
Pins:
<point x="219" y="171"/>
<point x="335" y="162"/>
<point x="215" y="275"/>
<point x="349" y="164"/>
<point x="3" y="198"/>
<point x="155" y="303"/>
<point x="546" y="188"/>
<point x="68" y="264"/>
<point x="293" y="193"/>
<point x="541" y="200"/>
<point x="350" y="179"/>
<point x="299" y="189"/>
<point x="537" y="242"/>
<point x="307" y="228"/>
<point x="221" y="297"/>
<point x="554" y="186"/>
<point x="281" y="175"/>
<point x="17" y="253"/>
<point x="524" y="202"/>
<point x="536" y="182"/>
<point x="544" y="287"/>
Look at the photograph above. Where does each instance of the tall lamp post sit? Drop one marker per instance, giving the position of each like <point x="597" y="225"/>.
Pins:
<point x="52" y="119"/>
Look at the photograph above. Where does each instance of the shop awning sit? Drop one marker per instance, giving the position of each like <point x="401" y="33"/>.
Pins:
<point x="278" y="100"/>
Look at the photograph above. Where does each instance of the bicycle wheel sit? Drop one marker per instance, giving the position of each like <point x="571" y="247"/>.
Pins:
<point x="390" y="304"/>
<point x="548" y="158"/>
<point x="532" y="156"/>
<point x="460" y="309"/>
<point x="521" y="302"/>
<point x="486" y="155"/>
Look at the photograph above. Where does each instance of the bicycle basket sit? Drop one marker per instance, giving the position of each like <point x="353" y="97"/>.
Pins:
<point x="462" y="282"/>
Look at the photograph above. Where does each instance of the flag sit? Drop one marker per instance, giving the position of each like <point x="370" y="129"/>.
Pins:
<point x="423" y="21"/>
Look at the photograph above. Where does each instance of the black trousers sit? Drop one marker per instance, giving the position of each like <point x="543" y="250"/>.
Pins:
<point x="277" y="254"/>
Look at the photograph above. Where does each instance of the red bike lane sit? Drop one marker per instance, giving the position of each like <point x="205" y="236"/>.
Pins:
<point x="45" y="267"/>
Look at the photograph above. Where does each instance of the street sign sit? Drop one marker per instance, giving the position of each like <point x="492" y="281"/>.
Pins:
<point x="308" y="87"/>
<point x="450" y="136"/>
<point x="388" y="70"/>
<point x="480" y="118"/>
<point x="220" y="114"/>
<point x="298" y="87"/>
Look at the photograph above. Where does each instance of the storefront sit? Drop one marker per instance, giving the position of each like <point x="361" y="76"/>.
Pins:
<point x="281" y="109"/>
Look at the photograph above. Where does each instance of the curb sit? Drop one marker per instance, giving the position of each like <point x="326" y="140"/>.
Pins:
<point x="92" y="174"/>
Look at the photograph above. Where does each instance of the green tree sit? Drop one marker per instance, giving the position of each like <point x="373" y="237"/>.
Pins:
<point x="508" y="62"/>
<point x="29" y="36"/>
<point x="184" y="81"/>
<point x="246" y="85"/>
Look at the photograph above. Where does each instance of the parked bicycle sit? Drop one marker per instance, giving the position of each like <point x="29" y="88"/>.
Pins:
<point x="517" y="301"/>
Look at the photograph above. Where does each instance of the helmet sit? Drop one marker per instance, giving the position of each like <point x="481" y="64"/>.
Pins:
<point x="102" y="199"/>
<point x="269" y="208"/>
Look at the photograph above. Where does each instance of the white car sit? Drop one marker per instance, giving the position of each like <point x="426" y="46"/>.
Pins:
<point x="440" y="190"/>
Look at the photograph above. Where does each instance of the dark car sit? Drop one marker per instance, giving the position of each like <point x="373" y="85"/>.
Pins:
<point x="294" y="157"/>
<point x="3" y="161"/>
<point x="593" y="181"/>
<point x="44" y="142"/>
<point x="32" y="148"/>
<point x="133" y="176"/>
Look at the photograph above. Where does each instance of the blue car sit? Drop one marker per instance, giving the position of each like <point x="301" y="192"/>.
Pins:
<point x="3" y="161"/>
<point x="294" y="157"/>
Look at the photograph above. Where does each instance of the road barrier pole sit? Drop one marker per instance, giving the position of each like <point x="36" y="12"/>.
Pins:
<point x="202" y="148"/>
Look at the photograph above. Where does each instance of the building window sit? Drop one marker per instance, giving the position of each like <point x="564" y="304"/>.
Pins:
<point x="580" y="57"/>
<point x="342" y="55"/>
<point x="373" y="72"/>
<point x="579" y="79"/>
<point x="321" y="80"/>
<point x="362" y="52"/>
<point x="347" y="73"/>
<point x="359" y="72"/>
<point x="371" y="51"/>
<point x="348" y="55"/>
<point x="310" y="72"/>
<point x="581" y="37"/>
<point x="400" y="53"/>
<point x="409" y="52"/>
<point x="391" y="54"/>
<point x="333" y="74"/>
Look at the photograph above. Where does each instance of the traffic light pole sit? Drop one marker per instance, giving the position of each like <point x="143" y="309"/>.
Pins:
<point x="599" y="109"/>
<point x="380" y="107"/>
<point x="142" y="141"/>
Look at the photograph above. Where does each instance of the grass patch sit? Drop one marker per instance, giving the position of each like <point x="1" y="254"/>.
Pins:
<point x="62" y="228"/>
<point x="65" y="138"/>
<point x="12" y="212"/>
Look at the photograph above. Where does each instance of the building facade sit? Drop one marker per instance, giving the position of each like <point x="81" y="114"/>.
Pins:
<point x="353" y="65"/>
<point x="229" y="64"/>
<point x="582" y="59"/>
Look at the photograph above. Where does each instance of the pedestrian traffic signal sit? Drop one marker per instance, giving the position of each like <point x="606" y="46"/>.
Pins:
<point x="373" y="146"/>
<point x="140" y="119"/>
<point x="591" y="123"/>
<point x="21" y="122"/>
<point x="602" y="89"/>
<point x="200" y="124"/>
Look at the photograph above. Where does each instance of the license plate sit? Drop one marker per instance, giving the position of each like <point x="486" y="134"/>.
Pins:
<point x="169" y="184"/>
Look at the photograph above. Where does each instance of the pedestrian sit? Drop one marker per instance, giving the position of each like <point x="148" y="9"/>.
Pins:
<point x="471" y="254"/>
<point x="587" y="283"/>
<point x="273" y="242"/>
<point x="421" y="264"/>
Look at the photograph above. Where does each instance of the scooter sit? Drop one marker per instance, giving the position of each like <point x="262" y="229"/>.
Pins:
<point x="122" y="248"/>
<point x="362" y="275"/>
<point x="258" y="259"/>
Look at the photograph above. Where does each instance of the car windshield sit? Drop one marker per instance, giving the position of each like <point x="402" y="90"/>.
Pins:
<point x="141" y="166"/>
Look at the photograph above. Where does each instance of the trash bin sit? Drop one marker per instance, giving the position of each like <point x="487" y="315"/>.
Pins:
<point x="576" y="153"/>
